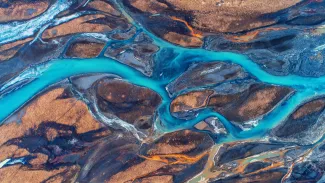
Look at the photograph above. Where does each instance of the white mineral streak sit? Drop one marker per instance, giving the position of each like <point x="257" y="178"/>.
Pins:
<point x="19" y="30"/>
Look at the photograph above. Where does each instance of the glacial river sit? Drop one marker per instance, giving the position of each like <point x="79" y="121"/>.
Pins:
<point x="38" y="77"/>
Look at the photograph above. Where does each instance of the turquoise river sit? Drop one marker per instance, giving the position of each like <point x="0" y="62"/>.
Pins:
<point x="38" y="77"/>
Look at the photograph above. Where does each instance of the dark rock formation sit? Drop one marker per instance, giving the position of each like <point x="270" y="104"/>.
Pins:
<point x="304" y="126"/>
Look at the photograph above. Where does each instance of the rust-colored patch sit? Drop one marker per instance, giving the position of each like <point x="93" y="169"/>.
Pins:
<point x="9" y="50"/>
<point x="201" y="125"/>
<point x="136" y="171"/>
<point x="221" y="16"/>
<point x="133" y="102"/>
<point x="259" y="103"/>
<point x="183" y="40"/>
<point x="51" y="134"/>
<point x="23" y="10"/>
<point x="11" y="151"/>
<point x="85" y="49"/>
<point x="179" y="142"/>
<point x="193" y="32"/>
<point x="299" y="160"/>
<point x="221" y="100"/>
<point x="68" y="111"/>
<point x="244" y="38"/>
<point x="8" y="54"/>
<point x="14" y="44"/>
<point x="165" y="148"/>
<point x="47" y="107"/>
<point x="78" y="25"/>
<point x="59" y="107"/>
<point x="251" y="35"/>
<point x="151" y="6"/>
<point x="191" y="100"/>
<point x="309" y="108"/>
<point x="39" y="160"/>
<point x="104" y="7"/>
<point x="157" y="179"/>
<point x="249" y="104"/>
<point x="18" y="173"/>
<point x="176" y="158"/>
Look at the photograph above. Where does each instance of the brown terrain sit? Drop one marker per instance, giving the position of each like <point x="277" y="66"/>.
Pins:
<point x="165" y="162"/>
<point x="250" y="104"/>
<point x="218" y="16"/>
<point x="179" y="142"/>
<point x="309" y="108"/>
<point x="139" y="54"/>
<point x="79" y="25"/>
<point x="191" y="100"/>
<point x="84" y="49"/>
<point x="22" y="10"/>
<point x="127" y="101"/>
<point x="262" y="101"/>
<point x="104" y="7"/>
<point x="230" y="15"/>
<point x="62" y="141"/>
<point x="240" y="107"/>
<point x="183" y="40"/>
<point x="9" y="50"/>
<point x="212" y="125"/>
<point x="108" y="17"/>
<point x="307" y="120"/>
<point x="54" y="106"/>
<point x="38" y="129"/>
<point x="208" y="16"/>
<point x="205" y="74"/>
